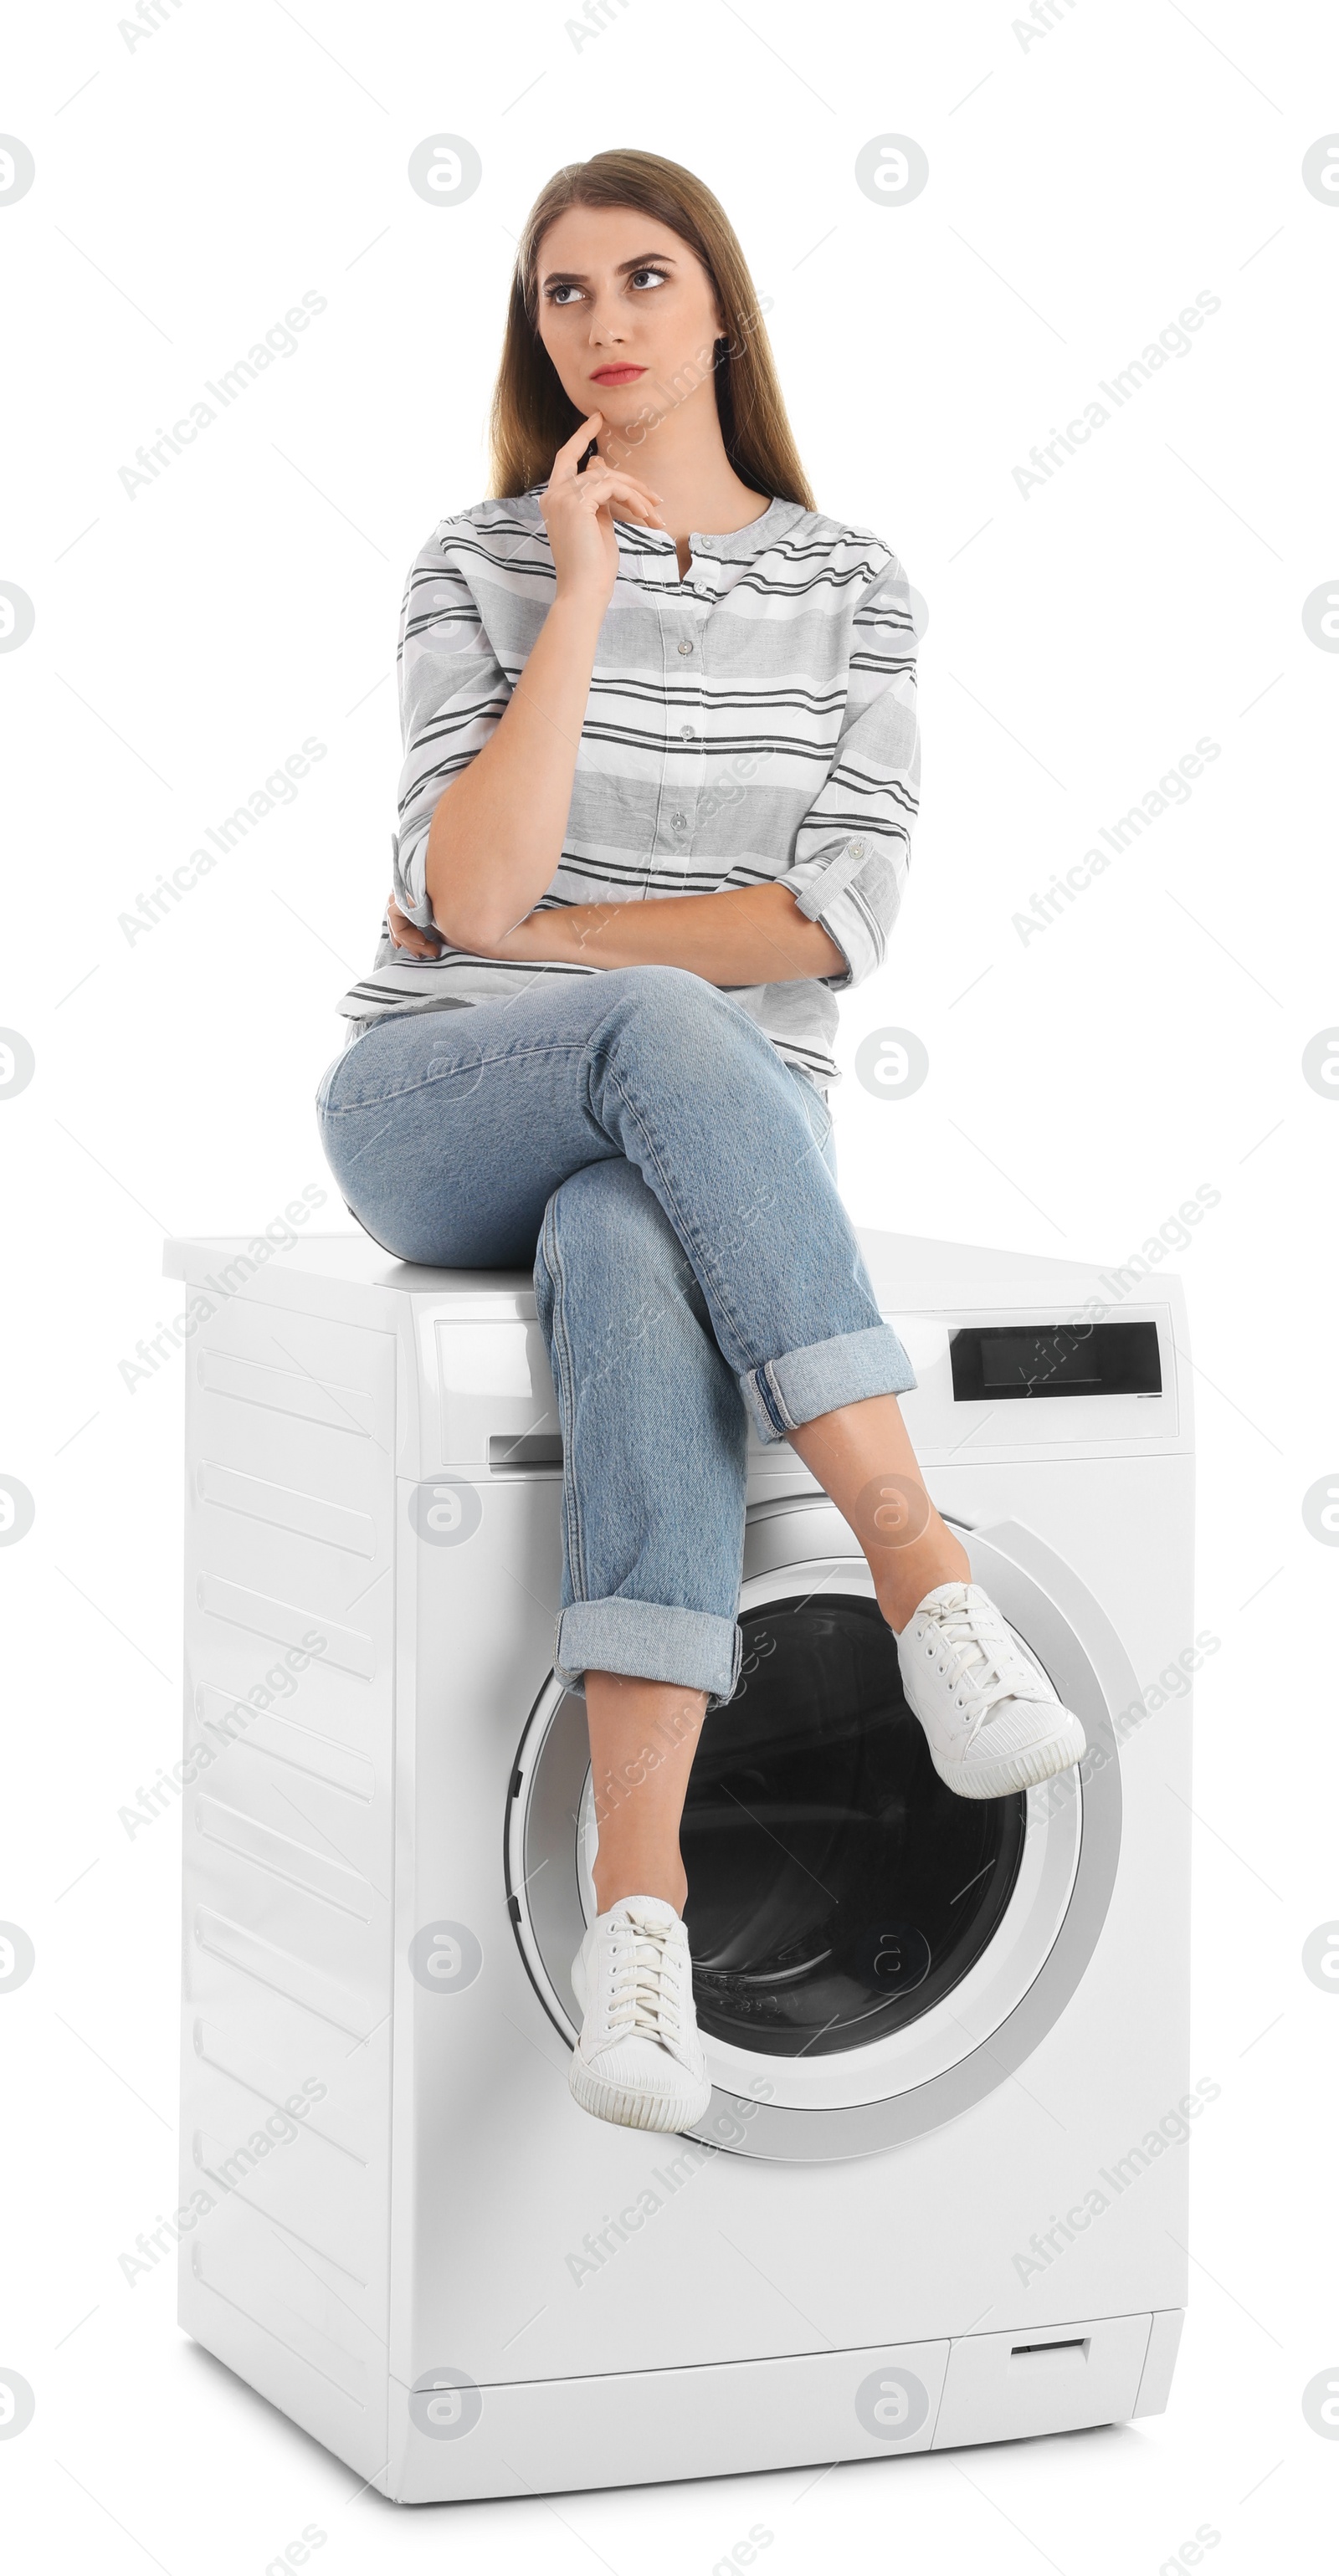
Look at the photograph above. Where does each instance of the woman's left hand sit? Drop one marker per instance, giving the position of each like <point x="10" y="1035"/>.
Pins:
<point x="532" y="939"/>
<point x="407" y="935"/>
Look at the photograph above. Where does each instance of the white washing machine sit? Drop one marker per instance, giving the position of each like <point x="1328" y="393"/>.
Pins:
<point x="939" y="2196"/>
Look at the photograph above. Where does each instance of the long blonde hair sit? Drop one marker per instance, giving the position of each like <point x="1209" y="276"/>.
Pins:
<point x="531" y="416"/>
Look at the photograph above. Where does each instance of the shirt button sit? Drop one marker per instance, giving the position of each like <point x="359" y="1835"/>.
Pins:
<point x="856" y="848"/>
<point x="685" y="648"/>
<point x="687" y="733"/>
<point x="680" y="822"/>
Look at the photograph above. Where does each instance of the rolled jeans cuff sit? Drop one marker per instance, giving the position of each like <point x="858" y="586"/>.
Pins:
<point x="654" y="1640"/>
<point x="786" y="1393"/>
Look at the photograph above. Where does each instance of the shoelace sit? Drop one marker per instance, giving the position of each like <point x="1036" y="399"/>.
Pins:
<point x="645" y="1999"/>
<point x="982" y="1648"/>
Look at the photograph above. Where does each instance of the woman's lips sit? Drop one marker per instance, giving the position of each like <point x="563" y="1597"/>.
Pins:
<point x="616" y="375"/>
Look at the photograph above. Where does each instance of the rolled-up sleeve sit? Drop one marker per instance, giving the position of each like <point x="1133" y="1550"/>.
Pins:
<point x="853" y="848"/>
<point x="452" y="694"/>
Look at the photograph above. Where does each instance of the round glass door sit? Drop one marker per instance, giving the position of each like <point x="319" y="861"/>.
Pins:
<point x="872" y="1954"/>
<point x="838" y="1888"/>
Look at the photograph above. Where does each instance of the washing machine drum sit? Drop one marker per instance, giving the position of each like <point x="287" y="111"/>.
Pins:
<point x="838" y="1888"/>
<point x="871" y="1952"/>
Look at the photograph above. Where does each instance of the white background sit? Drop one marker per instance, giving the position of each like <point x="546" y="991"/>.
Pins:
<point x="1084" y="187"/>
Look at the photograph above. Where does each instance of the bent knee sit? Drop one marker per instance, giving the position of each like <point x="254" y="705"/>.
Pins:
<point x="604" y="1220"/>
<point x="608" y="1204"/>
<point x="658" y="988"/>
<point x="672" y="1001"/>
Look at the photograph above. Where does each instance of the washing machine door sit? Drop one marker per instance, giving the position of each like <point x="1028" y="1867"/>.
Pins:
<point x="871" y="1953"/>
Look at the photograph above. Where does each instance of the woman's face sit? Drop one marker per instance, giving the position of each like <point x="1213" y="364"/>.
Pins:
<point x="627" y="313"/>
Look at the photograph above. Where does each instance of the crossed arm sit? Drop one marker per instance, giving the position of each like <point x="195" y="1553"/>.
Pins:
<point x="747" y="935"/>
<point x="496" y="837"/>
<point x="477" y="856"/>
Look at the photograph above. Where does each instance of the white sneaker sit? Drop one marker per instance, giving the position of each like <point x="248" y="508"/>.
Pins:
<point x="992" y="1719"/>
<point x="639" y="2058"/>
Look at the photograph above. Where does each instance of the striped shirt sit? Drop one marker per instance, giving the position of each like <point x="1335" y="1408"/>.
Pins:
<point x="753" y="721"/>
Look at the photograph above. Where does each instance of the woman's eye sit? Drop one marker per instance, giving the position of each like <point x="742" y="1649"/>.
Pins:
<point x="561" y="293"/>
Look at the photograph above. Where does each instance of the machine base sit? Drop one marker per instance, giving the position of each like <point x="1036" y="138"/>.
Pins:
<point x="459" y="2444"/>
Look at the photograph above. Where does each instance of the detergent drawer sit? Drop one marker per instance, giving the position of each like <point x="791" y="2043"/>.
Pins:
<point x="1042" y="2379"/>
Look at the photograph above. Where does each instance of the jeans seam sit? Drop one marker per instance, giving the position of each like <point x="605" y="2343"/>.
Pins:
<point x="677" y="1218"/>
<point x="769" y="1396"/>
<point x="406" y="1090"/>
<point x="721" y="1699"/>
<point x="566" y="1377"/>
<point x="679" y="1225"/>
<point x="810" y="1086"/>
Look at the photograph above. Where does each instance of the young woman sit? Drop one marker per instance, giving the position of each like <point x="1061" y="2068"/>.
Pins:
<point x="659" y="780"/>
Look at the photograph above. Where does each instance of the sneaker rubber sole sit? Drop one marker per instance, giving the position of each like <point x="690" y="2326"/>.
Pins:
<point x="1014" y="1771"/>
<point x="630" y="2109"/>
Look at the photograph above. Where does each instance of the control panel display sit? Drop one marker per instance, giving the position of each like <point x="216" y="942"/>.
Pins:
<point x="999" y="1363"/>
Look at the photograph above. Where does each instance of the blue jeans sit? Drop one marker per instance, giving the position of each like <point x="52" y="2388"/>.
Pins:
<point x="639" y="1141"/>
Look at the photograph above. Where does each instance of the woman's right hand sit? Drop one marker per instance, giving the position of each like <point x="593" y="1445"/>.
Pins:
<point x="577" y="510"/>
